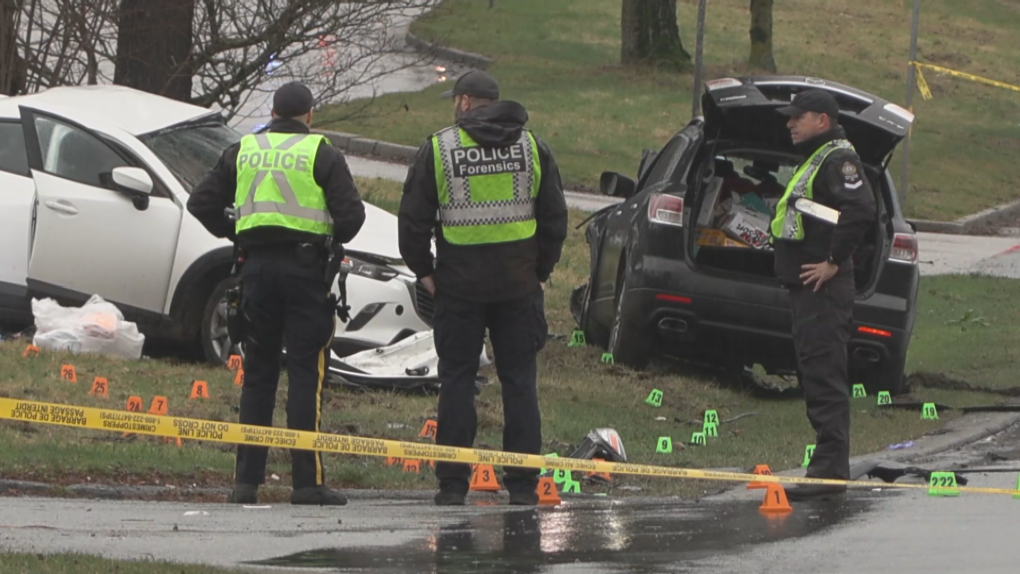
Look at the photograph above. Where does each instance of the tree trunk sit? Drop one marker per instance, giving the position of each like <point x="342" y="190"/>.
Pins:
<point x="154" y="42"/>
<point x="650" y="35"/>
<point x="761" y="57"/>
<point x="12" y="66"/>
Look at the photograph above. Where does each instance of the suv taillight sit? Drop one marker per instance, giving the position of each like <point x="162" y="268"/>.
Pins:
<point x="904" y="248"/>
<point x="666" y="209"/>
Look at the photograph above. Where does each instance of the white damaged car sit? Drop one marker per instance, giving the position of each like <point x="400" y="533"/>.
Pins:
<point x="94" y="182"/>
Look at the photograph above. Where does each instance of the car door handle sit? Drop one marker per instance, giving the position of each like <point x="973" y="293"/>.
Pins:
<point x="62" y="206"/>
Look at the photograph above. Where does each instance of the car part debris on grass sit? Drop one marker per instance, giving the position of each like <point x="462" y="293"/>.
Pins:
<point x="410" y="364"/>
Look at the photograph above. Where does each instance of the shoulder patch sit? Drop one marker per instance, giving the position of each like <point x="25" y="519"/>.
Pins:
<point x="851" y="175"/>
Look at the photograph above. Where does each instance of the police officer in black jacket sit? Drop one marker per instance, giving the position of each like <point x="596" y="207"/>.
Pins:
<point x="295" y="202"/>
<point x="502" y="220"/>
<point x="814" y="260"/>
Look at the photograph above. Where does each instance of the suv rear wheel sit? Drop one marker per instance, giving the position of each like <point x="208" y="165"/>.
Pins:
<point x="216" y="344"/>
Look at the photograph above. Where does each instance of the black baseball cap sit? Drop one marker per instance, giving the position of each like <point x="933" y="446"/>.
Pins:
<point x="292" y="100"/>
<point x="477" y="84"/>
<point x="818" y="101"/>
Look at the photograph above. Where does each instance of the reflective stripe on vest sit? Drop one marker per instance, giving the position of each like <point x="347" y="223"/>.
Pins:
<point x="276" y="184"/>
<point x="486" y="194"/>
<point x="788" y="223"/>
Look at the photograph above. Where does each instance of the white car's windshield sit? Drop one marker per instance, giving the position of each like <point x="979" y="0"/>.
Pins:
<point x="191" y="150"/>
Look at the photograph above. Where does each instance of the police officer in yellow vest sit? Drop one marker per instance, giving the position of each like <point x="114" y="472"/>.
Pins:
<point x="814" y="260"/>
<point x="490" y="191"/>
<point x="293" y="195"/>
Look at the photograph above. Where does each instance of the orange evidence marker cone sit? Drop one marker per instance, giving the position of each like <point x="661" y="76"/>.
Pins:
<point x="134" y="404"/>
<point x="547" y="493"/>
<point x="100" y="388"/>
<point x="234" y="362"/>
<point x="429" y="430"/>
<point x="484" y="479"/>
<point x="239" y="378"/>
<point x="390" y="461"/>
<point x="31" y="350"/>
<point x="158" y="406"/>
<point x="760" y="469"/>
<point x="199" y="390"/>
<point x="412" y="466"/>
<point x="68" y="373"/>
<point x="775" y="500"/>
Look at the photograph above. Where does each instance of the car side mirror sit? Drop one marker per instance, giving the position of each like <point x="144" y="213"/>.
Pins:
<point x="617" y="185"/>
<point x="133" y="180"/>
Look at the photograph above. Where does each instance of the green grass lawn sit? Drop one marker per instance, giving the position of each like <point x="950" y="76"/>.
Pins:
<point x="577" y="392"/>
<point x="561" y="59"/>
<point x="71" y="563"/>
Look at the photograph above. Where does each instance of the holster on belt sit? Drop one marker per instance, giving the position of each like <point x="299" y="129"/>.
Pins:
<point x="236" y="321"/>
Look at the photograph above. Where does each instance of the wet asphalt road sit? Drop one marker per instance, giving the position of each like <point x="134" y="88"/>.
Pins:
<point x="870" y="530"/>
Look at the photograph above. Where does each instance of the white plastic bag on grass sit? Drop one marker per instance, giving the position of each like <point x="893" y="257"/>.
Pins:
<point x="95" y="327"/>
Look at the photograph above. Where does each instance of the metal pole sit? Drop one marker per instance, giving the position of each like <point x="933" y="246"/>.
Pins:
<point x="911" y="85"/>
<point x="699" y="53"/>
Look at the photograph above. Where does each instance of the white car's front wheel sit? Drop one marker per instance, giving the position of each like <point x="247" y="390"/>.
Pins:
<point x="216" y="344"/>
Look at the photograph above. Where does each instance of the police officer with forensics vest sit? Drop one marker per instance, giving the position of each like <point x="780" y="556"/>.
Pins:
<point x="490" y="191"/>
<point x="813" y="258"/>
<point x="296" y="204"/>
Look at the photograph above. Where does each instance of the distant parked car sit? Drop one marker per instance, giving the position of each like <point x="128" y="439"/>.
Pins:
<point x="93" y="187"/>
<point x="682" y="266"/>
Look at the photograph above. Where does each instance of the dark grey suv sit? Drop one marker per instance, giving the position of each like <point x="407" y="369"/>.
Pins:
<point x="682" y="266"/>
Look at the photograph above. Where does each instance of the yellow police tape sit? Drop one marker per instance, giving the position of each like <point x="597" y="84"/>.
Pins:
<point x="197" y="429"/>
<point x="922" y="85"/>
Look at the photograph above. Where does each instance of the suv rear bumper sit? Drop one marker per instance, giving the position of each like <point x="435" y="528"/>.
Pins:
<point x="712" y="322"/>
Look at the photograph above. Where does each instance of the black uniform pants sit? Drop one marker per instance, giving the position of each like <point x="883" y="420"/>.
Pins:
<point x="286" y="304"/>
<point x="821" y="331"/>
<point x="517" y="330"/>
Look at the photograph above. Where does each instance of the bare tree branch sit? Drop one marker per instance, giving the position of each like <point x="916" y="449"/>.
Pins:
<point x="240" y="48"/>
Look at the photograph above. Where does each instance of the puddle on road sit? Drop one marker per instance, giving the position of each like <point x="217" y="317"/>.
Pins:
<point x="632" y="538"/>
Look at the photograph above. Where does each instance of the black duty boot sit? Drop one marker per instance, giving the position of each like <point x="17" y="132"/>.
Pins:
<point x="524" y="498"/>
<point x="244" y="494"/>
<point x="317" y="495"/>
<point x="801" y="492"/>
<point x="449" y="498"/>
